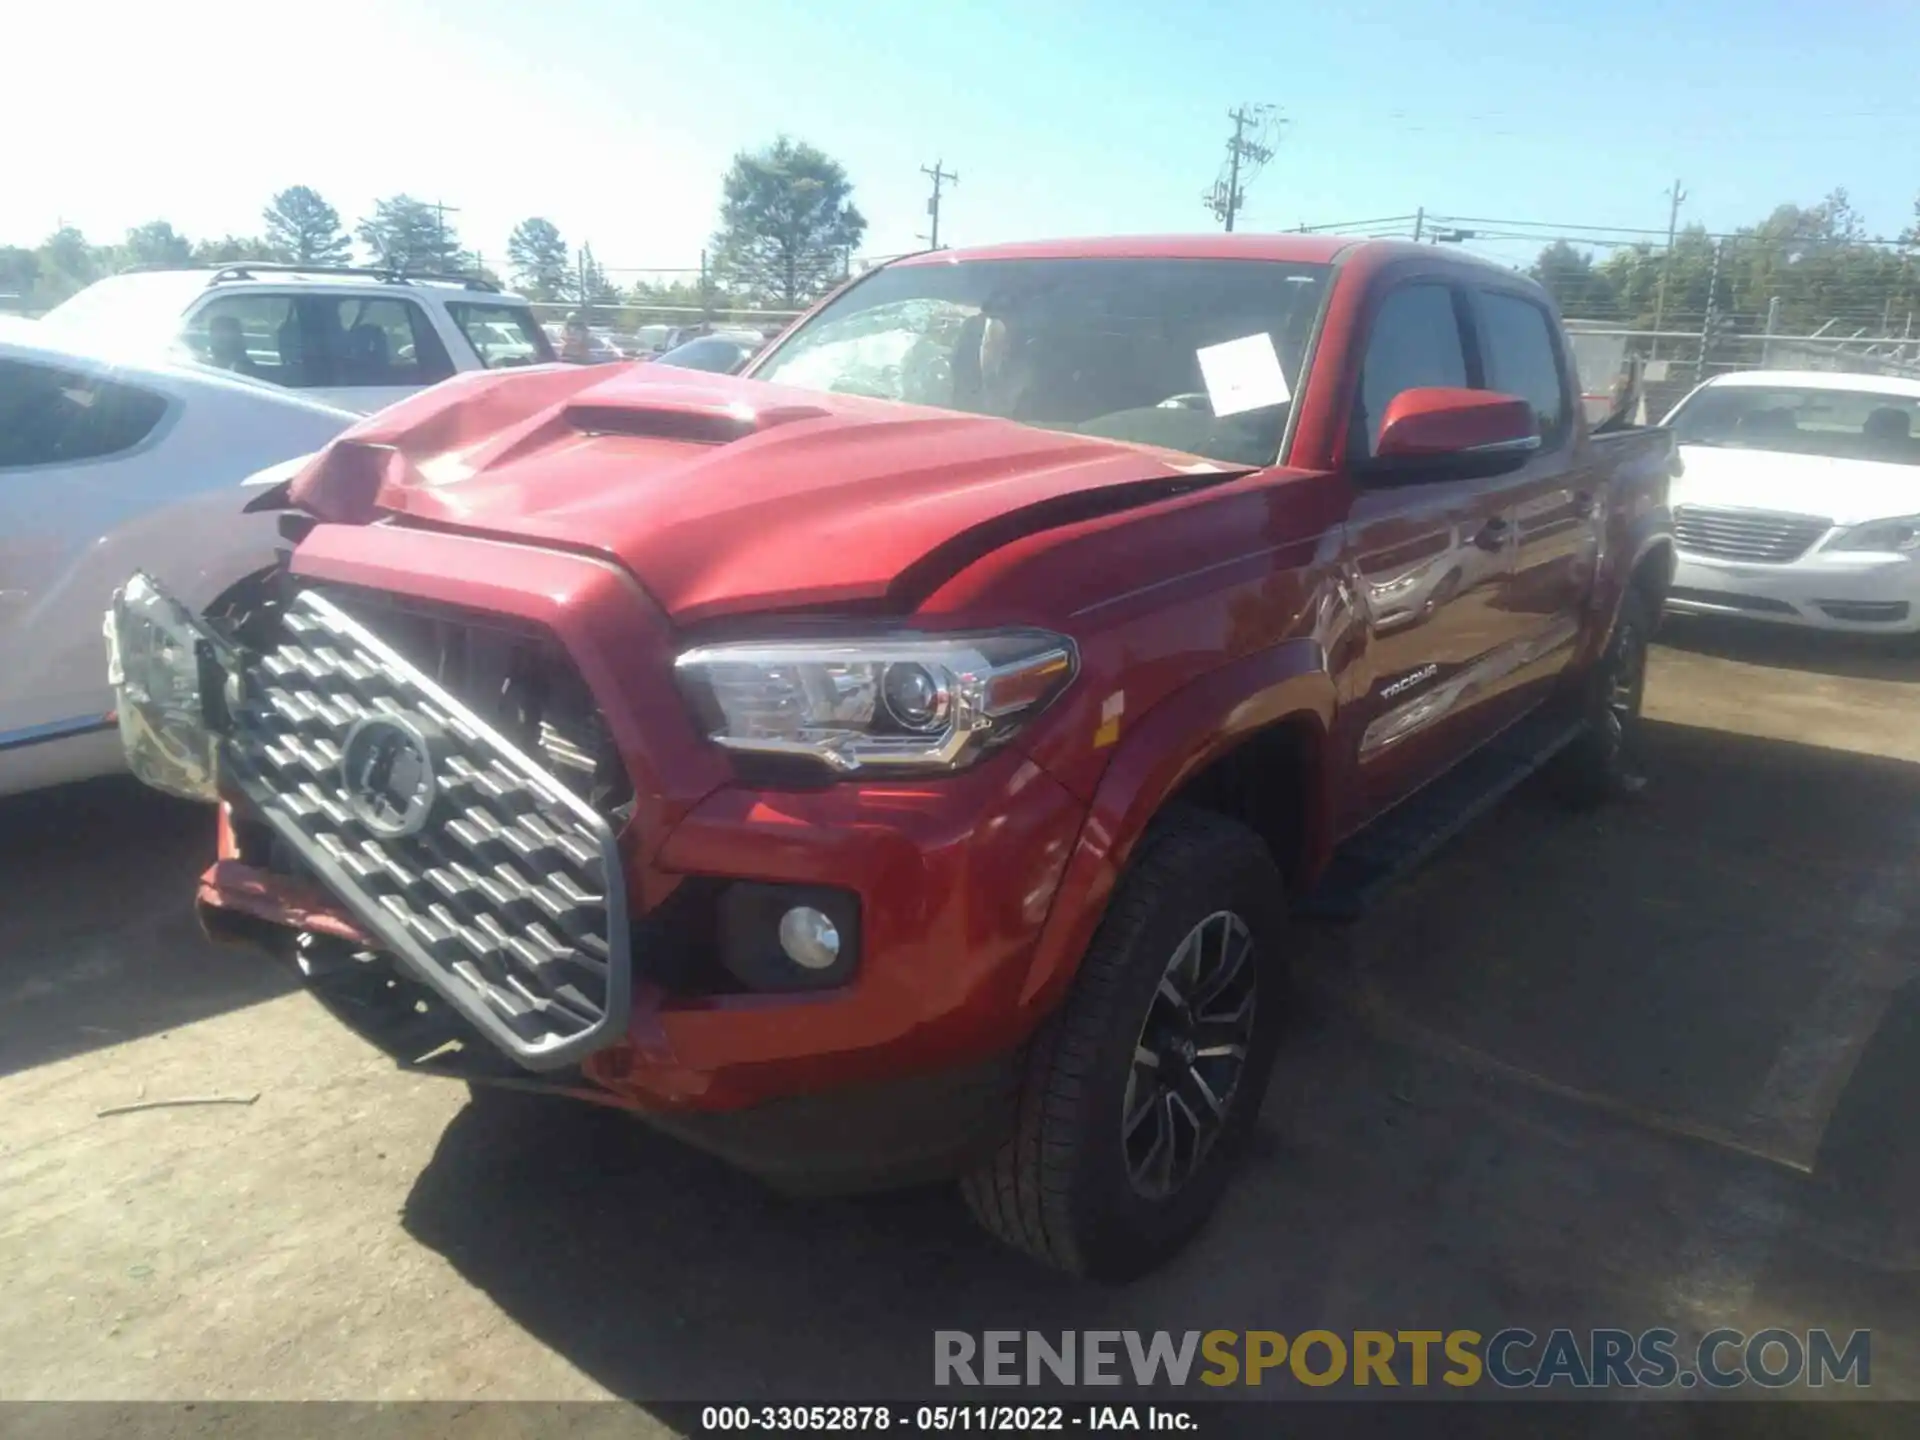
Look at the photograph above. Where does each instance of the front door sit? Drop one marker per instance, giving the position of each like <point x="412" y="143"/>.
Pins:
<point x="1429" y="563"/>
<point x="76" y="448"/>
<point x="379" y="349"/>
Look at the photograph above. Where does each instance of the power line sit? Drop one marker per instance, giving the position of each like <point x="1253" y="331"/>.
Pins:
<point x="937" y="175"/>
<point x="1246" y="157"/>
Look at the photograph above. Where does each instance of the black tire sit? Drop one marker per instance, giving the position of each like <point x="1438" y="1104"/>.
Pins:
<point x="1065" y="1188"/>
<point x="1603" y="763"/>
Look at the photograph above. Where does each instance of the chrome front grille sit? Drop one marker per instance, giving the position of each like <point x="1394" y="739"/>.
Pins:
<point x="473" y="862"/>
<point x="1758" y="536"/>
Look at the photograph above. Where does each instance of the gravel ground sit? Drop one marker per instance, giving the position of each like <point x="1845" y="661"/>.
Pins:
<point x="1654" y="1066"/>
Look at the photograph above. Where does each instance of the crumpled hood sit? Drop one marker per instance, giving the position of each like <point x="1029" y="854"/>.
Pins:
<point x="1846" y="492"/>
<point x="725" y="495"/>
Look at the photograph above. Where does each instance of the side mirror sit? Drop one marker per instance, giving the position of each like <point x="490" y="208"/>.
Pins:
<point x="1443" y="431"/>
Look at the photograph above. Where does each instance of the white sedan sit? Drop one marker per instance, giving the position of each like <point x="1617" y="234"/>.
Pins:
<point x="1800" y="501"/>
<point x="105" y="469"/>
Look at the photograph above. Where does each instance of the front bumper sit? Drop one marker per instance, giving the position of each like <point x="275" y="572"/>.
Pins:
<point x="848" y="1138"/>
<point x="1823" y="590"/>
<point x="954" y="882"/>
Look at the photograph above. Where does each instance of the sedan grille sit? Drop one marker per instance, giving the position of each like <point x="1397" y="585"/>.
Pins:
<point x="469" y="858"/>
<point x="1757" y="536"/>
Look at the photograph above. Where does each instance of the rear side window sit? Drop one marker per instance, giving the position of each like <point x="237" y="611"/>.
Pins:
<point x="377" y="341"/>
<point x="53" y="416"/>
<point x="1521" y="358"/>
<point x="1415" y="344"/>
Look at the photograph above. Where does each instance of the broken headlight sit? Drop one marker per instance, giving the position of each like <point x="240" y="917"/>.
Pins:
<point x="167" y="690"/>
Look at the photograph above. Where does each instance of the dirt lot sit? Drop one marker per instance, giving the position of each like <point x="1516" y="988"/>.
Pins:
<point x="1658" y="1066"/>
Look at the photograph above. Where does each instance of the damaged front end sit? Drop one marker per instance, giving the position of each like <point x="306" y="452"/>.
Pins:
<point x="394" y="782"/>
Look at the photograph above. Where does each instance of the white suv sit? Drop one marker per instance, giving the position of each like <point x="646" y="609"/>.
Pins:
<point x="355" y="338"/>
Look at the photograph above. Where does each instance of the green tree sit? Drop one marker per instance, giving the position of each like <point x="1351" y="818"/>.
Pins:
<point x="787" y="222"/>
<point x="537" y="256"/>
<point x="155" y="243"/>
<point x="1580" y="290"/>
<point x="19" y="277"/>
<point x="305" y="228"/>
<point x="232" y="248"/>
<point x="66" y="264"/>
<point x="409" y="234"/>
<point x="587" y="283"/>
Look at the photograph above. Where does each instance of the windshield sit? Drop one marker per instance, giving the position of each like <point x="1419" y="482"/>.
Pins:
<point x="1803" y="420"/>
<point x="1174" y="353"/>
<point x="501" y="335"/>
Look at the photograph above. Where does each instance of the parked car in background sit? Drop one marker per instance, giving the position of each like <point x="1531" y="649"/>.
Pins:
<point x="106" y="467"/>
<point x="1800" y="501"/>
<point x="353" y="338"/>
<point x="651" y="340"/>
<point x="902" y="761"/>
<point x="722" y="353"/>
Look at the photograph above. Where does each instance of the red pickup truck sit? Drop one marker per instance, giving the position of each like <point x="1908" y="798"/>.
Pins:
<point x="907" y="760"/>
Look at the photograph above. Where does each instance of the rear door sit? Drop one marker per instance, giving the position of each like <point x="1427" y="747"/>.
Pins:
<point x="371" y="350"/>
<point x="1429" y="559"/>
<point x="1555" y="495"/>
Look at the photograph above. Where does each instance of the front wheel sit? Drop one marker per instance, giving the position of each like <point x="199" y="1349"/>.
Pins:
<point x="1604" y="762"/>
<point x="1140" y="1092"/>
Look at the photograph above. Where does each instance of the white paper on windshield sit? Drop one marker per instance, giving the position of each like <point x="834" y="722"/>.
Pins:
<point x="1242" y="375"/>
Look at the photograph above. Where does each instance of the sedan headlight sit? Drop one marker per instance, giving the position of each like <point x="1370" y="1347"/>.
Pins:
<point x="165" y="680"/>
<point x="899" y="703"/>
<point x="1888" y="537"/>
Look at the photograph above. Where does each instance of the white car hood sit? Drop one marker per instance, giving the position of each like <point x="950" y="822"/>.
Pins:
<point x="1847" y="492"/>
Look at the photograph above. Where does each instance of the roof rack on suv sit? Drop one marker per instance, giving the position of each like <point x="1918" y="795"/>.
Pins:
<point x="393" y="275"/>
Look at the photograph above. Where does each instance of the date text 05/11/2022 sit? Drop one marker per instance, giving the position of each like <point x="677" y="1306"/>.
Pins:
<point x="940" y="1419"/>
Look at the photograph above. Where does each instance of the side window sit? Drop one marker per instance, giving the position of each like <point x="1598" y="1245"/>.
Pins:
<point x="377" y="341"/>
<point x="1517" y="342"/>
<point x="51" y="416"/>
<point x="258" y="336"/>
<point x="1415" y="343"/>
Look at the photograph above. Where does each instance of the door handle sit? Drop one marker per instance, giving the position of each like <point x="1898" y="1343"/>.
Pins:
<point x="1493" y="534"/>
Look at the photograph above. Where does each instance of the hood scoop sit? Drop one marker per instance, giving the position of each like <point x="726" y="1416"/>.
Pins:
<point x="667" y="416"/>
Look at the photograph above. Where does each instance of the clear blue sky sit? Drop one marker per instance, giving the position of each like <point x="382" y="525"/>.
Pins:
<point x="616" y="120"/>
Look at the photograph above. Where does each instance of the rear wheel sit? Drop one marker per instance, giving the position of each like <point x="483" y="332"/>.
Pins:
<point x="1140" y="1092"/>
<point x="1604" y="762"/>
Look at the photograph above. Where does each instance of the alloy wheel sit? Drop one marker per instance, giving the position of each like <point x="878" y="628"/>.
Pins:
<point x="1189" y="1055"/>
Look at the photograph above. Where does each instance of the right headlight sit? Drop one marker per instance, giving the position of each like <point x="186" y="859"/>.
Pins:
<point x="1888" y="537"/>
<point x="886" y="703"/>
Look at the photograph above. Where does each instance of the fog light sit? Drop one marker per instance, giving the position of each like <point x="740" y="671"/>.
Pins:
<point x="780" y="939"/>
<point x="809" y="938"/>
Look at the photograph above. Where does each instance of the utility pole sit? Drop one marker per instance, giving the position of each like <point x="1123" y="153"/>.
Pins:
<point x="440" y="226"/>
<point x="939" y="175"/>
<point x="1773" y="324"/>
<point x="1245" y="157"/>
<point x="1676" y="195"/>
<point x="1710" y="323"/>
<point x="1419" y="223"/>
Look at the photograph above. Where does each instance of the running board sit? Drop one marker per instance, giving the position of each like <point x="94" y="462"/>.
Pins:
<point x="1394" y="843"/>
